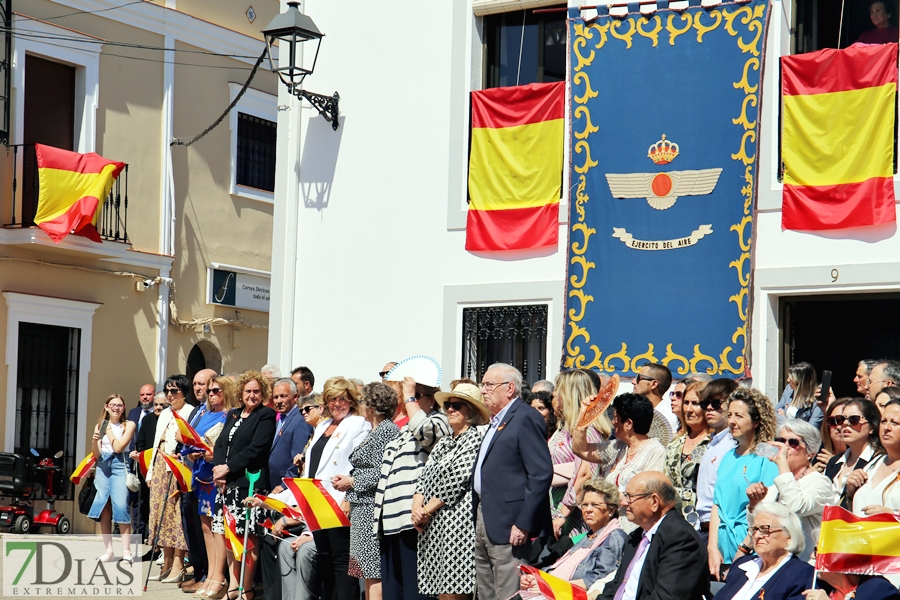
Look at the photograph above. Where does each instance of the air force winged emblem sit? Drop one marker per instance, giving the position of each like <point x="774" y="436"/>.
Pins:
<point x="662" y="189"/>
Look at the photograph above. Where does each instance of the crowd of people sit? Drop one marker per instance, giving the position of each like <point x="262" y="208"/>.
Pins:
<point x="693" y="489"/>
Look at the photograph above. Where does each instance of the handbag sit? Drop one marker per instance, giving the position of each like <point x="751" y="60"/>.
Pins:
<point x="132" y="482"/>
<point x="86" y="496"/>
<point x="563" y="473"/>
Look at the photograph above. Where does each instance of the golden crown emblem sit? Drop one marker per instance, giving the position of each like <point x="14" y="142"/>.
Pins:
<point x="663" y="152"/>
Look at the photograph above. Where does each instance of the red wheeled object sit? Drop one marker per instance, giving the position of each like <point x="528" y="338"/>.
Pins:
<point x="18" y="480"/>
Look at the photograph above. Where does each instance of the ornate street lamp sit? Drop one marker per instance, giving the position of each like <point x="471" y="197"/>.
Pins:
<point x="289" y="30"/>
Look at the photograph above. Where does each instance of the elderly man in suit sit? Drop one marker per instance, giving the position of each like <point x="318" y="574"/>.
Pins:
<point x="665" y="558"/>
<point x="291" y="434"/>
<point x="511" y="481"/>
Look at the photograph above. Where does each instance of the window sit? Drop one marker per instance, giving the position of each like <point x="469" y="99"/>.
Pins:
<point x="819" y="24"/>
<point x="256" y="152"/>
<point x="516" y="335"/>
<point x="524" y="46"/>
<point x="47" y="391"/>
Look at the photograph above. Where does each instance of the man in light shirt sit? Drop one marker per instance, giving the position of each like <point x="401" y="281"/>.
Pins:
<point x="714" y="402"/>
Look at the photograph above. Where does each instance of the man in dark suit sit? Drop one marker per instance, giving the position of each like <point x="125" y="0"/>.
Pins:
<point x="511" y="481"/>
<point x="140" y="501"/>
<point x="291" y="434"/>
<point x="665" y="558"/>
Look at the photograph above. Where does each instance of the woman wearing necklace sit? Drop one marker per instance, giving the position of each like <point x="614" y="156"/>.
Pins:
<point x="684" y="453"/>
<point x="111" y="502"/>
<point x="798" y="487"/>
<point x="751" y="420"/>
<point x="631" y="452"/>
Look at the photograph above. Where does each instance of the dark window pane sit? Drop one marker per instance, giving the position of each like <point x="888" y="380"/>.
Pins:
<point x="522" y="47"/>
<point x="515" y="335"/>
<point x="256" y="152"/>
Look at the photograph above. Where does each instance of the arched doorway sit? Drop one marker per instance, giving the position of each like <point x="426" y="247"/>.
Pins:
<point x="204" y="355"/>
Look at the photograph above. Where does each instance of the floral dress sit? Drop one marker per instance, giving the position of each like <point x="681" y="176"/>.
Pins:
<point x="683" y="469"/>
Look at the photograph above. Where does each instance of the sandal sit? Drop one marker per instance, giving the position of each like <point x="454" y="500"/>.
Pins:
<point x="217" y="595"/>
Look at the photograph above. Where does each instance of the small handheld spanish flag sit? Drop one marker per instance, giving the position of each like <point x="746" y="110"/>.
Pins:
<point x="278" y="506"/>
<point x="554" y="588"/>
<point x="861" y="545"/>
<point x="143" y="461"/>
<point x="181" y="473"/>
<point x="73" y="188"/>
<point x="319" y="509"/>
<point x="83" y="469"/>
<point x="189" y="434"/>
<point x="232" y="539"/>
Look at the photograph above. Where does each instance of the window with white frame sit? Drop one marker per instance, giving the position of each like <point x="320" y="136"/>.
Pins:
<point x="525" y="46"/>
<point x="253" y="136"/>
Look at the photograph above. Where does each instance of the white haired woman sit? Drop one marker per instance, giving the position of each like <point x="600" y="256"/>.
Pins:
<point x="775" y="572"/>
<point x="798" y="486"/>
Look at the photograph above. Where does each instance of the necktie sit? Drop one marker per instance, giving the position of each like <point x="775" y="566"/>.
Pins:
<point x="641" y="549"/>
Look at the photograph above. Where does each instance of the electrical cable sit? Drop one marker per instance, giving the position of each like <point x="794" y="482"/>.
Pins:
<point x="92" y="12"/>
<point x="181" y="142"/>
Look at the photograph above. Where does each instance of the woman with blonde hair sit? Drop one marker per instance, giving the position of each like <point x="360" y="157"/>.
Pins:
<point x="111" y="502"/>
<point x="801" y="402"/>
<point x="684" y="453"/>
<point x="571" y="389"/>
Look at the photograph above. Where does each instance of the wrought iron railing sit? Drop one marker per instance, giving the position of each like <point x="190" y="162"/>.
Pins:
<point x="516" y="335"/>
<point x="25" y="195"/>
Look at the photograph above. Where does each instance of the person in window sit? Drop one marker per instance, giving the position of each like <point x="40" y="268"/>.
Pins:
<point x="800" y="403"/>
<point x="111" y="501"/>
<point x="884" y="32"/>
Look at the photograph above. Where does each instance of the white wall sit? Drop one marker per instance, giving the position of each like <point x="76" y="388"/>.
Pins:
<point x="381" y="265"/>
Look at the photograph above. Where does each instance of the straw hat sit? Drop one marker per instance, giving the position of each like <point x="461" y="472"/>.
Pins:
<point x="468" y="392"/>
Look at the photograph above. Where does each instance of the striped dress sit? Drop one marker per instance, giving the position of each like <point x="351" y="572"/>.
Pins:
<point x="400" y="469"/>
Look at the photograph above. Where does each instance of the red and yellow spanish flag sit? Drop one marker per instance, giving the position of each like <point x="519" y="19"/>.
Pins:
<point x="232" y="539"/>
<point x="278" y="506"/>
<point x="143" y="461"/>
<point x="73" y="187"/>
<point x="554" y="588"/>
<point x="180" y="472"/>
<point x="189" y="434"/>
<point x="515" y="167"/>
<point x="319" y="509"/>
<point x="838" y="137"/>
<point x="83" y="469"/>
<point x="862" y="545"/>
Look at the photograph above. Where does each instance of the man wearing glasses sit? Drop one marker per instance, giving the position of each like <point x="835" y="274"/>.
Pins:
<point x="511" y="483"/>
<point x="664" y="558"/>
<point x="651" y="382"/>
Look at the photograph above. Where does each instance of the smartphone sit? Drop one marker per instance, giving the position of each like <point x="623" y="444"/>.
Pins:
<point x="103" y="427"/>
<point x="826" y="384"/>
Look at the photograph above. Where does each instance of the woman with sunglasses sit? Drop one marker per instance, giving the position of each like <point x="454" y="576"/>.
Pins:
<point x="163" y="502"/>
<point x="714" y="404"/>
<point x="751" y="419"/>
<point x="442" y="503"/>
<point x="856" y="420"/>
<point x="798" y="487"/>
<point x="328" y="455"/>
<point x="220" y="399"/>
<point x="874" y="488"/>
<point x="832" y="442"/>
<point x="111" y="502"/>
<point x="684" y="453"/>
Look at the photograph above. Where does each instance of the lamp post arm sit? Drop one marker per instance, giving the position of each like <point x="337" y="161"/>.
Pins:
<point x="326" y="105"/>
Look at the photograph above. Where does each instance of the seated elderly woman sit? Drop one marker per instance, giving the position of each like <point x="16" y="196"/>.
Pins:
<point x="798" y="486"/>
<point x="774" y="572"/>
<point x="850" y="585"/>
<point x="593" y="560"/>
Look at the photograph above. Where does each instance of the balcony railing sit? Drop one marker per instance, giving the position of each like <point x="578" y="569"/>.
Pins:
<point x="25" y="194"/>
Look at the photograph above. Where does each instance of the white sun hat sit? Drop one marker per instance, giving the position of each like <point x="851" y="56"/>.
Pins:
<point x="424" y="370"/>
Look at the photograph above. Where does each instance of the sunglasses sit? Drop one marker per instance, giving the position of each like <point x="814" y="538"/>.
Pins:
<point x="307" y="409"/>
<point x="383" y="374"/>
<point x="172" y="391"/>
<point x="792" y="442"/>
<point x="454" y="405"/>
<point x="714" y="404"/>
<point x="639" y="378"/>
<point x="852" y="420"/>
<point x="420" y="395"/>
<point x="214" y="391"/>
<point x="677" y="394"/>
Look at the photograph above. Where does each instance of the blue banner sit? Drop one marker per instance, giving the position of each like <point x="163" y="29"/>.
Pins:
<point x="664" y="133"/>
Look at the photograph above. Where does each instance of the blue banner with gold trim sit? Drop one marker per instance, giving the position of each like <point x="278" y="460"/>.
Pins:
<point x="664" y="131"/>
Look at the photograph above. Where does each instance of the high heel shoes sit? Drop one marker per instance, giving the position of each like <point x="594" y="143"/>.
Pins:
<point x="162" y="575"/>
<point x="217" y="595"/>
<point x="105" y="557"/>
<point x="177" y="579"/>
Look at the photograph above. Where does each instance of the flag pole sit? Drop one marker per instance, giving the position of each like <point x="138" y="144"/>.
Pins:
<point x="252" y="478"/>
<point x="815" y="578"/>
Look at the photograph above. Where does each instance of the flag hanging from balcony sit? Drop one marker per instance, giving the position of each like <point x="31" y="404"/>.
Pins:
<point x="863" y="545"/>
<point x="838" y="137"/>
<point x="515" y="167"/>
<point x="73" y="187"/>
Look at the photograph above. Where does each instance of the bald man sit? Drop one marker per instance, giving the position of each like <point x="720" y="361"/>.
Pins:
<point x="666" y="557"/>
<point x="200" y="381"/>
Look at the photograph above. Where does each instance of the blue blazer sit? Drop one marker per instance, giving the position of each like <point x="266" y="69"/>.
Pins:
<point x="516" y="476"/>
<point x="787" y="583"/>
<point x="289" y="442"/>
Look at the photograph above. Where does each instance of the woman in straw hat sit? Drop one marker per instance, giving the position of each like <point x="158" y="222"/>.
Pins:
<point x="442" y="504"/>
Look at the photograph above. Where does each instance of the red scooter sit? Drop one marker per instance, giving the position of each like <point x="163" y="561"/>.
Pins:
<point x="18" y="480"/>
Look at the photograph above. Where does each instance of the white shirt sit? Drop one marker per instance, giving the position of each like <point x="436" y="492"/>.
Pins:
<point x="755" y="581"/>
<point x="840" y="481"/>
<point x="631" y="586"/>
<point x="486" y="443"/>
<point x="718" y="447"/>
